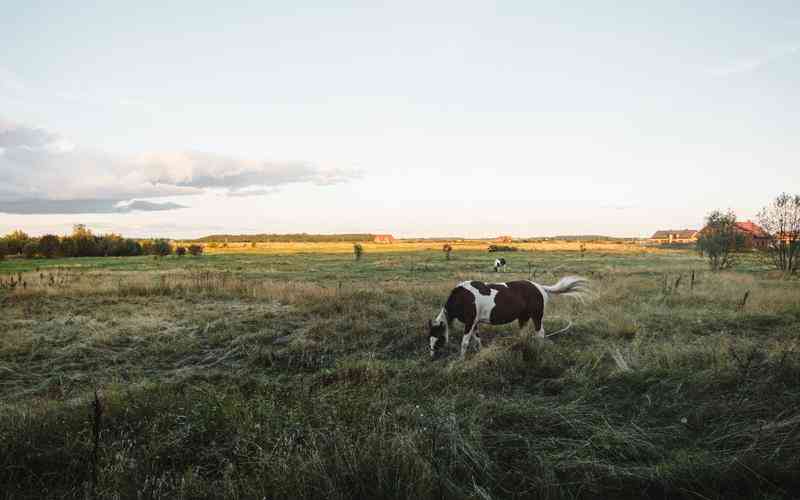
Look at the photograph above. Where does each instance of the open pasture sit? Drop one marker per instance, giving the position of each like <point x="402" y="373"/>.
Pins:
<point x="301" y="373"/>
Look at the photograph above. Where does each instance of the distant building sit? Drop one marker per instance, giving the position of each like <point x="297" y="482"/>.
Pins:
<point x="754" y="235"/>
<point x="503" y="239"/>
<point x="383" y="238"/>
<point x="674" y="236"/>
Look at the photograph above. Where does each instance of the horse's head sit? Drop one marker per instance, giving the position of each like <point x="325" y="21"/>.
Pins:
<point x="436" y="335"/>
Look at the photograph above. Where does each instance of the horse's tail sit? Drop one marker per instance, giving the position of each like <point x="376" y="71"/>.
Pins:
<point x="572" y="286"/>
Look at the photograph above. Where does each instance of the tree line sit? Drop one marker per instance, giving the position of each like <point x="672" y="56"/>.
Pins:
<point x="287" y="238"/>
<point x="84" y="243"/>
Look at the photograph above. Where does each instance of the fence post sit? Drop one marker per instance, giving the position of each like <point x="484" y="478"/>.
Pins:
<point x="744" y="300"/>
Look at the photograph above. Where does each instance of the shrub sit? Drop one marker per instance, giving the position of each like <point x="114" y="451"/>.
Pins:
<point x="502" y="248"/>
<point x="447" y="248"/>
<point x="195" y="250"/>
<point x="49" y="246"/>
<point x="180" y="251"/>
<point x="720" y="240"/>
<point x="358" y="250"/>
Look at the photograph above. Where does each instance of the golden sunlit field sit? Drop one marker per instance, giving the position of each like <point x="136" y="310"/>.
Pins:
<point x="295" y="371"/>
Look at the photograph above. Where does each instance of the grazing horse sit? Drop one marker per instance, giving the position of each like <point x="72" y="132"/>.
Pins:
<point x="475" y="302"/>
<point x="499" y="264"/>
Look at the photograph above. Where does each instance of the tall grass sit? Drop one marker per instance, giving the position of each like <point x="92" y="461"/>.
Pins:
<point x="307" y="377"/>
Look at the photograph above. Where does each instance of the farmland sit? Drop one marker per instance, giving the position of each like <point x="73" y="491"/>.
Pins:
<point x="294" y="371"/>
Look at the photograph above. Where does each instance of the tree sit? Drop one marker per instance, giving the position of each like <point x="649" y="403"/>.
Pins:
<point x="49" y="246"/>
<point x="131" y="248"/>
<point x="180" y="251"/>
<point x="3" y="248"/>
<point x="30" y="249"/>
<point x="719" y="240"/>
<point x="447" y="248"/>
<point x="781" y="219"/>
<point x="85" y="243"/>
<point x="16" y="241"/>
<point x="161" y="247"/>
<point x="358" y="250"/>
<point x="195" y="250"/>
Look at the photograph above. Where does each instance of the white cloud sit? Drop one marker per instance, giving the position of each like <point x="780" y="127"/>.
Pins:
<point x="42" y="172"/>
<point x="750" y="64"/>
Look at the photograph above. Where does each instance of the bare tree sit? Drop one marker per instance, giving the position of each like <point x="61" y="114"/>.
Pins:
<point x="781" y="219"/>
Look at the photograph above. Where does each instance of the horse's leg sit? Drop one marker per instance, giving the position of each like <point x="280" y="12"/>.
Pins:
<point x="469" y="327"/>
<point x="539" y="324"/>
<point x="477" y="338"/>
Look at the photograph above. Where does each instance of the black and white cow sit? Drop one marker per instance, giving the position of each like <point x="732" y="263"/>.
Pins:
<point x="475" y="302"/>
<point x="499" y="264"/>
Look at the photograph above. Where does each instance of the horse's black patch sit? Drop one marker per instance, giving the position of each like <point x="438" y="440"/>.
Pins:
<point x="482" y="288"/>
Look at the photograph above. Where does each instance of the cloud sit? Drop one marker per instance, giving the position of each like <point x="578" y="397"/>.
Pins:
<point x="40" y="206"/>
<point x="750" y="64"/>
<point x="44" y="173"/>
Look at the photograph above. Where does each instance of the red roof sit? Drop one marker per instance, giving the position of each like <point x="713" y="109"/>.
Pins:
<point x="752" y="228"/>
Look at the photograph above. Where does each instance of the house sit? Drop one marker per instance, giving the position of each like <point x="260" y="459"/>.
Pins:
<point x="503" y="239"/>
<point x="754" y="235"/>
<point x="674" y="236"/>
<point x="383" y="238"/>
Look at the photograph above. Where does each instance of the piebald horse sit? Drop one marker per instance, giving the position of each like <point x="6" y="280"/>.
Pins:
<point x="475" y="302"/>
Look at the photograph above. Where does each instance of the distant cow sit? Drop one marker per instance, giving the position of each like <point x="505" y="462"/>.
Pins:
<point x="499" y="264"/>
<point x="475" y="302"/>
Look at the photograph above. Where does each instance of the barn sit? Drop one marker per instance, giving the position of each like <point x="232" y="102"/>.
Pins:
<point x="383" y="238"/>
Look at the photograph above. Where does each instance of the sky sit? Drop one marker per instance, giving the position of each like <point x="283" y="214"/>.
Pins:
<point x="473" y="119"/>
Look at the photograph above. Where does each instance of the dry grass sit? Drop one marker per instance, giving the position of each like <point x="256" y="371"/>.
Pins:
<point x="433" y="246"/>
<point x="307" y="376"/>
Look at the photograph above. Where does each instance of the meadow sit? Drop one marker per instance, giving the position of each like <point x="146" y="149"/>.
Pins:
<point x="294" y="371"/>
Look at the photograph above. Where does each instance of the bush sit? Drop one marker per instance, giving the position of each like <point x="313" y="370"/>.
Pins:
<point x="447" y="248"/>
<point x="720" y="240"/>
<point x="502" y="248"/>
<point x="49" y="246"/>
<point x="30" y="249"/>
<point x="180" y="251"/>
<point x="358" y="250"/>
<point x="195" y="250"/>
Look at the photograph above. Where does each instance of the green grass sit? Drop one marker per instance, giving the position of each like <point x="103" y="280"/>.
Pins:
<point x="655" y="393"/>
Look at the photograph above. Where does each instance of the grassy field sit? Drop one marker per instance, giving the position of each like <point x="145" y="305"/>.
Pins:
<point x="299" y="373"/>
